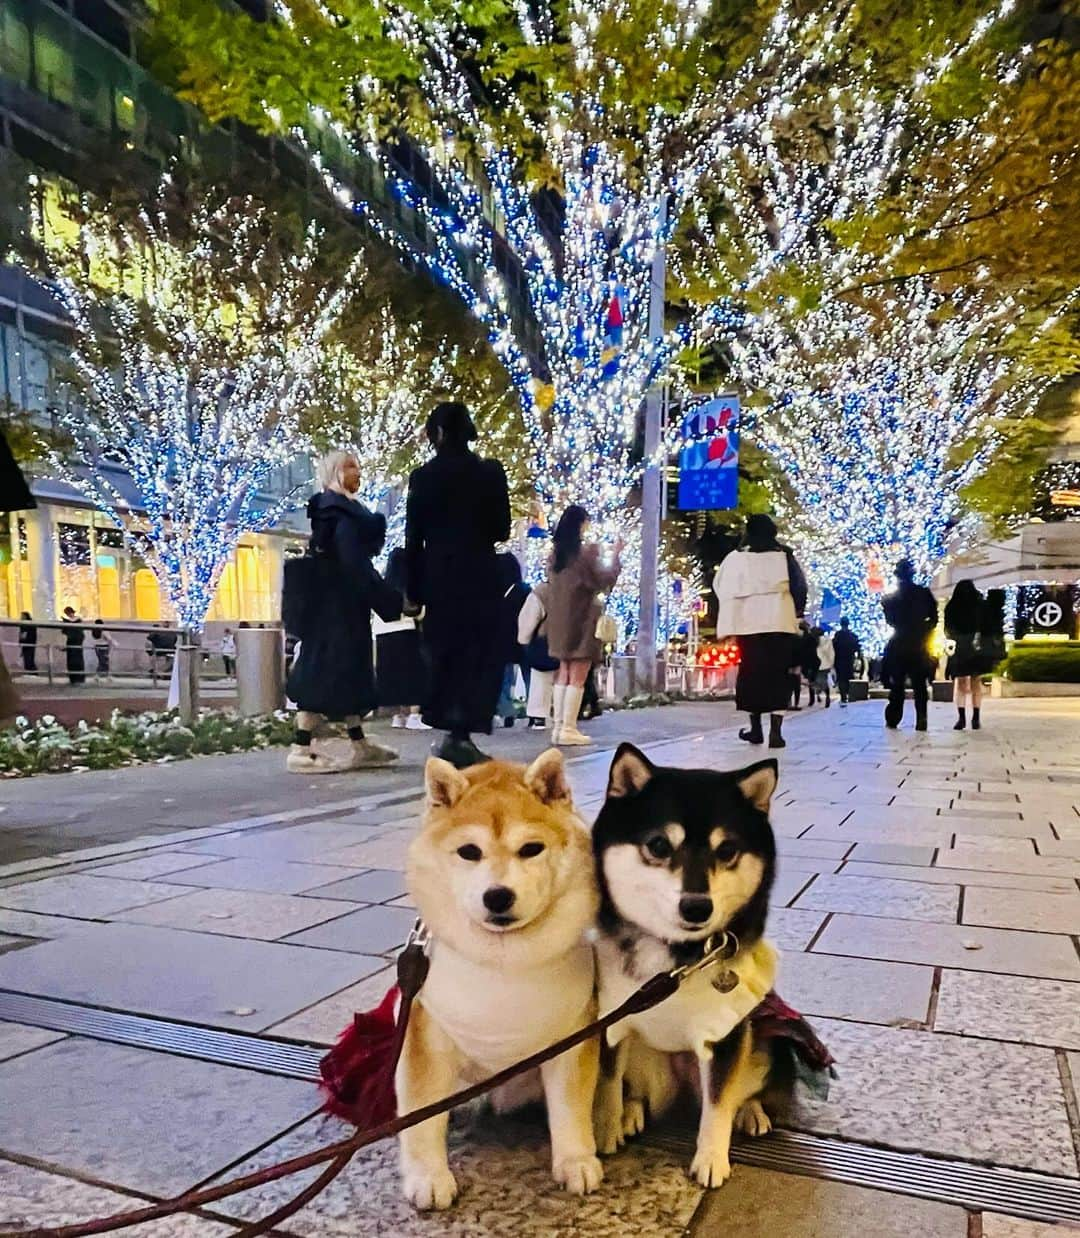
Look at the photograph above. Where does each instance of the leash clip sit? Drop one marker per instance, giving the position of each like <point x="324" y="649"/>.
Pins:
<point x="726" y="948"/>
<point x="419" y="935"/>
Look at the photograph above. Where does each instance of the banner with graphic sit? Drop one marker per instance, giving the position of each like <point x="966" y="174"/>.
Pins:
<point x="709" y="456"/>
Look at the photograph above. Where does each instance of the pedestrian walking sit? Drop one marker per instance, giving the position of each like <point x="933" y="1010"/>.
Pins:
<point x="515" y="591"/>
<point x="809" y="662"/>
<point x="228" y="651"/>
<point x="400" y="669"/>
<point x="826" y="656"/>
<point x="761" y="590"/>
<point x="74" y="635"/>
<point x="539" y="664"/>
<point x="577" y="574"/>
<point x="28" y="641"/>
<point x="912" y="614"/>
<point x="975" y="626"/>
<point x="846" y="648"/>
<point x="103" y="646"/>
<point x="458" y="509"/>
<point x="334" y="674"/>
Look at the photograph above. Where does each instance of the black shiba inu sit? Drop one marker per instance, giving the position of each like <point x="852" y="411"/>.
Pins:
<point x="685" y="861"/>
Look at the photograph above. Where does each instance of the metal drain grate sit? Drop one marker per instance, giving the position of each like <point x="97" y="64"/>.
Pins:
<point x="977" y="1187"/>
<point x="980" y="1188"/>
<point x="274" y="1057"/>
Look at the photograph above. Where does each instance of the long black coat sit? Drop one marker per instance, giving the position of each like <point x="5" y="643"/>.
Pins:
<point x="845" y="646"/>
<point x="458" y="508"/>
<point x="334" y="674"/>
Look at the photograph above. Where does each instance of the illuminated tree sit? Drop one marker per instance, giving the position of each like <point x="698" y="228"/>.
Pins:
<point x="198" y="338"/>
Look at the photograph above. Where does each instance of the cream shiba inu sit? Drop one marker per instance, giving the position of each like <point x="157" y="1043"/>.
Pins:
<point x="685" y="860"/>
<point x="502" y="876"/>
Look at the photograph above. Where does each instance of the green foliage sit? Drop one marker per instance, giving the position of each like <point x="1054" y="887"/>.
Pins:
<point x="1043" y="663"/>
<point x="49" y="747"/>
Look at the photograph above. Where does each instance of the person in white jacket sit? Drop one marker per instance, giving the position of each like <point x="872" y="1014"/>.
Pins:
<point x="539" y="664"/>
<point x="761" y="591"/>
<point x="826" y="663"/>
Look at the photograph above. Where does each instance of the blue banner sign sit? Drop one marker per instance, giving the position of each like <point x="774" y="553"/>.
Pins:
<point x="709" y="456"/>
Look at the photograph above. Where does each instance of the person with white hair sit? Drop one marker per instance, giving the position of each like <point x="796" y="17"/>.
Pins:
<point x="334" y="674"/>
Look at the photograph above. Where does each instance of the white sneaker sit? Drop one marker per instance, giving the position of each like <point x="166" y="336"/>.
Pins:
<point x="368" y="755"/>
<point x="415" y="723"/>
<point x="398" y="721"/>
<point x="303" y="759"/>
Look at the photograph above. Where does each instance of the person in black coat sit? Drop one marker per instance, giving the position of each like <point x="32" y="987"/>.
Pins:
<point x="912" y="613"/>
<point x="458" y="509"/>
<point x="845" y="647"/>
<point x="334" y="674"/>
<point x="28" y="641"/>
<point x="15" y="496"/>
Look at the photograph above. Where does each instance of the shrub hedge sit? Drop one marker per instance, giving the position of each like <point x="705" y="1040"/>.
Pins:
<point x="1043" y="663"/>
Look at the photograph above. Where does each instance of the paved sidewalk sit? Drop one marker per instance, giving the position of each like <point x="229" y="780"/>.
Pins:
<point x="927" y="904"/>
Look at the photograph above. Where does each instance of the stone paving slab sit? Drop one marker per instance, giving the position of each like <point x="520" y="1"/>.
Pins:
<point x="323" y="1022"/>
<point x="788" y="883"/>
<point x="238" y="913"/>
<point x="1016" y="1008"/>
<point x="943" y="945"/>
<point x="994" y="1225"/>
<point x="176" y="975"/>
<point x="369" y="930"/>
<point x="791" y="929"/>
<point x="892" y="853"/>
<point x="145" y="1120"/>
<point x="875" y="896"/>
<point x="960" y="876"/>
<point x="156" y="864"/>
<point x="865" y="990"/>
<point x="756" y="1202"/>
<point x="1023" y="909"/>
<point x="17" y="1038"/>
<point x="32" y="1198"/>
<point x="987" y="858"/>
<point x="90" y="898"/>
<point x="261" y="874"/>
<point x="973" y="1099"/>
<point x="506" y="1189"/>
<point x="379" y="885"/>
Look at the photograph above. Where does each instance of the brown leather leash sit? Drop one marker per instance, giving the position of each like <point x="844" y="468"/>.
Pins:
<point x="412" y="967"/>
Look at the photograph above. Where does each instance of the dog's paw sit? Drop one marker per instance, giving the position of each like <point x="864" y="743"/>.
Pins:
<point x="578" y="1174"/>
<point x="633" y="1117"/>
<point x="608" y="1124"/>
<point x="710" y="1167"/>
<point x="426" y="1190"/>
<point x="753" y="1120"/>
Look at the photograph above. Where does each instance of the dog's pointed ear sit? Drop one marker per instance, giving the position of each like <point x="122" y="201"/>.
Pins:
<point x="758" y="782"/>
<point x="546" y="777"/>
<point x="445" y="785"/>
<point x="631" y="771"/>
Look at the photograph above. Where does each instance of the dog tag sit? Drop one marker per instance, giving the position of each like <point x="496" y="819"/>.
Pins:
<point x="726" y="981"/>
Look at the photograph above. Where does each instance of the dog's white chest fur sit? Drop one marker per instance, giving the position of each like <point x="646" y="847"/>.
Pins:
<point x="497" y="1016"/>
<point x="697" y="1015"/>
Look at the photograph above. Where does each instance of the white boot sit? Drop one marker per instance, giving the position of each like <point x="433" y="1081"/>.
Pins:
<point x="569" y="735"/>
<point x="558" y="703"/>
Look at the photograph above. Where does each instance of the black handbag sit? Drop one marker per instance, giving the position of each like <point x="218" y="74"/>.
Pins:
<point x="303" y="586"/>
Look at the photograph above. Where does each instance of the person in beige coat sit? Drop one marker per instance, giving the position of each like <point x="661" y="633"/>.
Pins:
<point x="577" y="574"/>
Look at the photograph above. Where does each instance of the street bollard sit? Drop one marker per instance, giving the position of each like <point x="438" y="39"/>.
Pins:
<point x="260" y="671"/>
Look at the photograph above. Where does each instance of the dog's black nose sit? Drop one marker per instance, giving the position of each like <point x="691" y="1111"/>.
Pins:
<point x="499" y="899"/>
<point x="695" y="908"/>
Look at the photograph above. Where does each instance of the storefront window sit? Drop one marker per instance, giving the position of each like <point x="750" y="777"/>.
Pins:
<point x="15" y="590"/>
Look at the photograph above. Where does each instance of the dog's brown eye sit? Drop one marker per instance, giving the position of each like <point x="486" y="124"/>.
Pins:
<point x="530" y="849"/>
<point x="726" y="852"/>
<point x="470" y="852"/>
<point x="659" y="847"/>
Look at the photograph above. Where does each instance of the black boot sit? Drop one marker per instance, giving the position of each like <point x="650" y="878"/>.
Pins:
<point x="776" y="740"/>
<point x="460" y="751"/>
<point x="753" y="733"/>
<point x="961" y="719"/>
<point x="976" y="725"/>
<point x="920" y="722"/>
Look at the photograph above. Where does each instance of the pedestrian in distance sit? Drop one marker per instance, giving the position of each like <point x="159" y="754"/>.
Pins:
<point x="761" y="592"/>
<point x="846" y="648"/>
<point x="334" y="675"/>
<point x="228" y="652"/>
<point x="400" y="667"/>
<point x="74" y="656"/>
<point x="457" y="510"/>
<point x="809" y="661"/>
<point x="28" y="642"/>
<point x="826" y="656"/>
<point x="104" y="644"/>
<point x="515" y="591"/>
<point x="912" y="614"/>
<point x="577" y="574"/>
<point x="540" y="665"/>
<point x="975" y="626"/>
